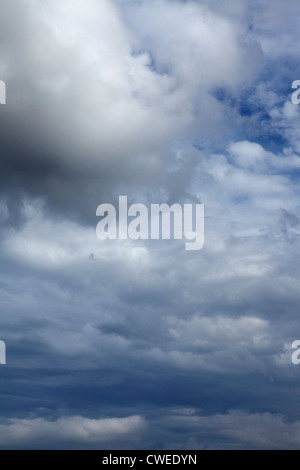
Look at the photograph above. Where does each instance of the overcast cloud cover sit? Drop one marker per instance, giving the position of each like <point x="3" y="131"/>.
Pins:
<point x="143" y="345"/>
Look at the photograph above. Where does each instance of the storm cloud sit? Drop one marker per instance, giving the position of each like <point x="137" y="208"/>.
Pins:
<point x="141" y="344"/>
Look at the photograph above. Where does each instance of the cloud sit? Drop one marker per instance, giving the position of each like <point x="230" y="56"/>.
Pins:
<point x="86" y="101"/>
<point x="235" y="430"/>
<point x="81" y="104"/>
<point x="162" y="101"/>
<point x="70" y="432"/>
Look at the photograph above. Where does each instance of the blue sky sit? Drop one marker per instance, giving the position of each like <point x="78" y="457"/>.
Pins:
<point x="143" y="345"/>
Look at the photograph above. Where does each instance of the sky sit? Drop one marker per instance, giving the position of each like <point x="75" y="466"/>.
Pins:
<point x="123" y="344"/>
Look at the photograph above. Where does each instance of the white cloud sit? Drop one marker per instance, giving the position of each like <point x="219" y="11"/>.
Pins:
<point x="68" y="432"/>
<point x="46" y="243"/>
<point x="239" y="430"/>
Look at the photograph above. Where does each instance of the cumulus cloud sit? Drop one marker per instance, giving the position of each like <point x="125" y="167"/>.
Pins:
<point x="233" y="430"/>
<point x="70" y="432"/>
<point x="85" y="101"/>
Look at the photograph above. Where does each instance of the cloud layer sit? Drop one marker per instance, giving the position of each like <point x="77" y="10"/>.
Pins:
<point x="142" y="344"/>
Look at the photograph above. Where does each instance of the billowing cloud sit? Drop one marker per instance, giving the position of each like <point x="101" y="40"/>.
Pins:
<point x="72" y="431"/>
